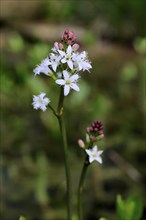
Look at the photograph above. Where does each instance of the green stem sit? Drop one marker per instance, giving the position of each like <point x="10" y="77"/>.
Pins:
<point x="80" y="188"/>
<point x="65" y="151"/>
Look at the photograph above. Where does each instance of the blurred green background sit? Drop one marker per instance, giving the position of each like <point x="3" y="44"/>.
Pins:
<point x="32" y="170"/>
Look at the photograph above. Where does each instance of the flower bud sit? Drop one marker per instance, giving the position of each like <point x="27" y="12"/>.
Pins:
<point x="81" y="143"/>
<point x="75" y="47"/>
<point x="56" y="45"/>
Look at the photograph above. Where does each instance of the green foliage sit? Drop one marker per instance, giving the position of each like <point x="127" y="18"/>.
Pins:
<point x="22" y="218"/>
<point x="129" y="72"/>
<point x="16" y="43"/>
<point x="130" y="209"/>
<point x="140" y="45"/>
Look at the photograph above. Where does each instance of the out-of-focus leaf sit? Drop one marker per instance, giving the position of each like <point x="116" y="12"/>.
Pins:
<point x="140" y="45"/>
<point x="22" y="218"/>
<point x="129" y="72"/>
<point x="130" y="209"/>
<point x="16" y="43"/>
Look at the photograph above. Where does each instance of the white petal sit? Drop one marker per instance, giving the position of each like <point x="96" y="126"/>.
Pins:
<point x="60" y="81"/>
<point x="62" y="53"/>
<point x="75" y="87"/>
<point x="46" y="101"/>
<point x="69" y="50"/>
<point x="88" y="152"/>
<point x="74" y="77"/>
<point x="95" y="148"/>
<point x="54" y="66"/>
<point x="41" y="95"/>
<point x="66" y="90"/>
<point x="99" y="159"/>
<point x="63" y="60"/>
<point x="91" y="159"/>
<point x="66" y="75"/>
<point x="70" y="64"/>
<point x="100" y="152"/>
<point x="43" y="107"/>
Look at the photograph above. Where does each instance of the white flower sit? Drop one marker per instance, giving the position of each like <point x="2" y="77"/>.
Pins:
<point x="43" y="68"/>
<point x="69" y="82"/>
<point x="81" y="61"/>
<point x="54" y="61"/>
<point x="67" y="57"/>
<point x="94" y="154"/>
<point x="40" y="102"/>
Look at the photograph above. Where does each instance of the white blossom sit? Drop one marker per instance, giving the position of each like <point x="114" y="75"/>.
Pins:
<point x="81" y="62"/>
<point x="94" y="154"/>
<point x="54" y="61"/>
<point x="43" y="68"/>
<point x="67" y="57"/>
<point x="40" y="101"/>
<point x="69" y="82"/>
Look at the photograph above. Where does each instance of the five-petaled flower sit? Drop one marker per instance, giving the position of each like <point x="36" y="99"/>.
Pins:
<point x="94" y="154"/>
<point x="40" y="101"/>
<point x="69" y="82"/>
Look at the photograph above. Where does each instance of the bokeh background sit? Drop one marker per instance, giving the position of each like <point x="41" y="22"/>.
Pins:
<point x="32" y="170"/>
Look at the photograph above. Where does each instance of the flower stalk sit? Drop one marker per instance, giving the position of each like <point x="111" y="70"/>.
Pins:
<point x="81" y="186"/>
<point x="65" y="152"/>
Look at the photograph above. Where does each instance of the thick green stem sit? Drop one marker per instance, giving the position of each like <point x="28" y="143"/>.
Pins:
<point x="65" y="152"/>
<point x="80" y="188"/>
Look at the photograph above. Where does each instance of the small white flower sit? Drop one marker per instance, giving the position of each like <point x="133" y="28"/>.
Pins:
<point x="43" y="68"/>
<point x="94" y="154"/>
<point x="67" y="57"/>
<point x="40" y="101"/>
<point x="69" y="82"/>
<point x="81" y="62"/>
<point x="54" y="61"/>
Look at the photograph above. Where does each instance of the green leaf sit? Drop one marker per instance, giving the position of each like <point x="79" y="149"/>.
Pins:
<point x="120" y="207"/>
<point x="138" y="209"/>
<point x="130" y="209"/>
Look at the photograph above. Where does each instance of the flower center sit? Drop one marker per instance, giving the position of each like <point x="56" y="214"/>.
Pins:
<point x="40" y="101"/>
<point x="68" y="57"/>
<point x="68" y="82"/>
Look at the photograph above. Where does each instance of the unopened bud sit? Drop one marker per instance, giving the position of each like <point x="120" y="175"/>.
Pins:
<point x="56" y="45"/>
<point x="75" y="47"/>
<point x="81" y="143"/>
<point x="60" y="45"/>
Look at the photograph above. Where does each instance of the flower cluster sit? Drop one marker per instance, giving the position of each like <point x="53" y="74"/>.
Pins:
<point x="64" y="63"/>
<point x="93" y="135"/>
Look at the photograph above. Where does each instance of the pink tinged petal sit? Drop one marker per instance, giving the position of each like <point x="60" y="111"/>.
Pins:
<point x="74" y="77"/>
<point x="60" y="81"/>
<point x="70" y="64"/>
<point x="75" y="47"/>
<point x="66" y="90"/>
<point x="66" y="75"/>
<point x="75" y="87"/>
